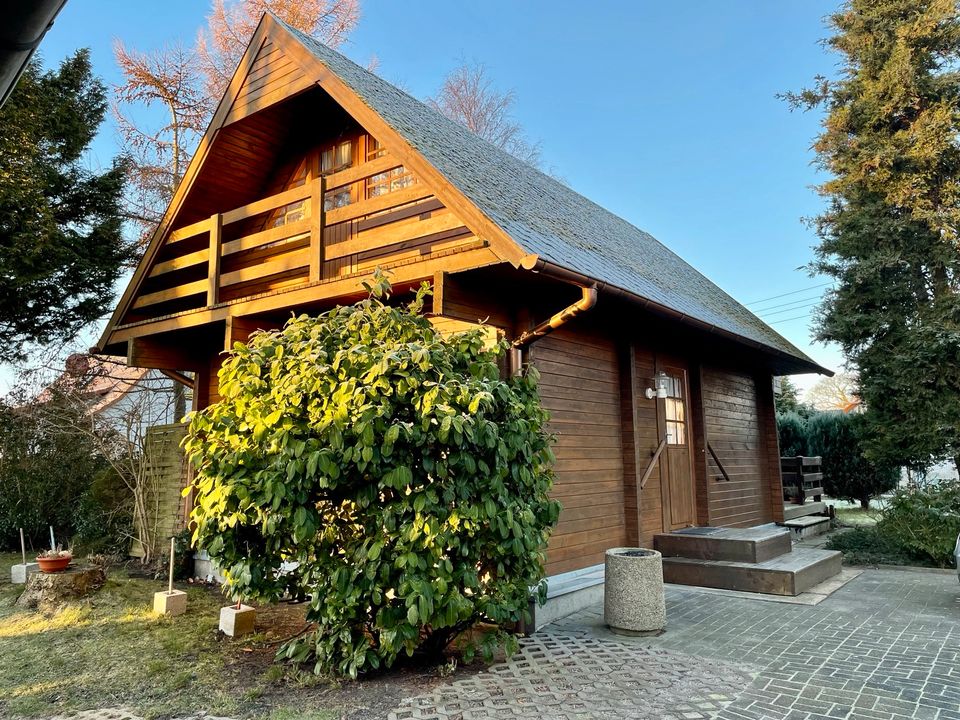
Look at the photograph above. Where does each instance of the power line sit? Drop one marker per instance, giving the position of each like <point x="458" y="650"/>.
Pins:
<point x="790" y="309"/>
<point x="761" y="311"/>
<point x="774" y="297"/>
<point x="783" y="320"/>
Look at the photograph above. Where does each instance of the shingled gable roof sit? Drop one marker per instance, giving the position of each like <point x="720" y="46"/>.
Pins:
<point x="548" y="219"/>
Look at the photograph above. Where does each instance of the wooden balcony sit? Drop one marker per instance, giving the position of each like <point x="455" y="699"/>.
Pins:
<point x="287" y="240"/>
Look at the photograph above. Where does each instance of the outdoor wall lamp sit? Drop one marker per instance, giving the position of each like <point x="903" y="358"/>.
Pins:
<point x="659" y="389"/>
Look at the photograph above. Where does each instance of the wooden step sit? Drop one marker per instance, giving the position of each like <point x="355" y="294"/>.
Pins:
<point x="792" y="510"/>
<point x="807" y="526"/>
<point x="789" y="574"/>
<point x="750" y="545"/>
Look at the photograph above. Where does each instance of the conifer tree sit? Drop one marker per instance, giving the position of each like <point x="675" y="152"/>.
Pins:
<point x="61" y="245"/>
<point x="889" y="234"/>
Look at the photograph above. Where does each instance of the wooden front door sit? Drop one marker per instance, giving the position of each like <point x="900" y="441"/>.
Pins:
<point x="676" y="460"/>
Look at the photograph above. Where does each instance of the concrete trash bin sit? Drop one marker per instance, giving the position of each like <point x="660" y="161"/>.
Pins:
<point x="633" y="602"/>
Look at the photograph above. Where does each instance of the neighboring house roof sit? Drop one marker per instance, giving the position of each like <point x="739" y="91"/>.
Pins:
<point x="545" y="217"/>
<point x="100" y="381"/>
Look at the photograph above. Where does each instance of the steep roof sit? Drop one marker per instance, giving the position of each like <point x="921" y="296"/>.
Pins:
<point x="545" y="217"/>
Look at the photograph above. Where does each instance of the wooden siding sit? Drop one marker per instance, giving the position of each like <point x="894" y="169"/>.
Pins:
<point x="579" y="385"/>
<point x="735" y="431"/>
<point x="653" y="496"/>
<point x="272" y="77"/>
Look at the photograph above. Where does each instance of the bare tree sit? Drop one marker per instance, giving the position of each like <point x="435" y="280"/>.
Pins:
<point x="115" y="423"/>
<point x="167" y="79"/>
<point x="469" y="97"/>
<point x="835" y="393"/>
<point x="230" y="24"/>
<point x="187" y="82"/>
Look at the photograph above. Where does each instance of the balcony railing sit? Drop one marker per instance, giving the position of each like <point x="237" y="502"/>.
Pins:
<point x="294" y="249"/>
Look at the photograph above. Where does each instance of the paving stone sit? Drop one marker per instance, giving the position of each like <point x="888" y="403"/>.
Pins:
<point x="882" y="648"/>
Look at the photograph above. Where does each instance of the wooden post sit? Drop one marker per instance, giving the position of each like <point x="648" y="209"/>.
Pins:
<point x="316" y="228"/>
<point x="23" y="547"/>
<point x="213" y="263"/>
<point x="173" y="549"/>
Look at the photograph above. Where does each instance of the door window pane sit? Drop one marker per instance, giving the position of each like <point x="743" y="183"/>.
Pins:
<point x="675" y="411"/>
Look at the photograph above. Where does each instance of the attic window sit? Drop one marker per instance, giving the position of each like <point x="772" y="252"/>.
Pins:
<point x="333" y="159"/>
<point x="386" y="182"/>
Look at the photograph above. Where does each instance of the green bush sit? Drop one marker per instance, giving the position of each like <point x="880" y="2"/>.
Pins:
<point x="406" y="479"/>
<point x="792" y="431"/>
<point x="103" y="516"/>
<point x="925" y="520"/>
<point x="838" y="438"/>
<point x="46" y="470"/>
<point x="871" y="546"/>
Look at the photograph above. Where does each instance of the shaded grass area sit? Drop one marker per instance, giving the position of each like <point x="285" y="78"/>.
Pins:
<point x="111" y="650"/>
<point x="867" y="545"/>
<point x="857" y="517"/>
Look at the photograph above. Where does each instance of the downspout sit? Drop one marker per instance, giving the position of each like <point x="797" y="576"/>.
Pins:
<point x="586" y="302"/>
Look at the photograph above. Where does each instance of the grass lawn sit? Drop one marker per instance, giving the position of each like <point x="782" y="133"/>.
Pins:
<point x="111" y="651"/>
<point x="857" y="517"/>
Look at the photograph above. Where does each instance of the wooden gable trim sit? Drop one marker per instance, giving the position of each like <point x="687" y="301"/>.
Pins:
<point x="502" y="247"/>
<point x="186" y="183"/>
<point x="501" y="243"/>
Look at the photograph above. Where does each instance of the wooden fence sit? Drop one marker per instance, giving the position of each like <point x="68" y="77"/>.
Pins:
<point x="165" y="477"/>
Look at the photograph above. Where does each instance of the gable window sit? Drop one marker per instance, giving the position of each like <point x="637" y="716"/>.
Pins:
<point x="294" y="211"/>
<point x="389" y="181"/>
<point x="333" y="159"/>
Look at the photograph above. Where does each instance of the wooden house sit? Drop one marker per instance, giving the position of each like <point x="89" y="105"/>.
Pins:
<point x="314" y="171"/>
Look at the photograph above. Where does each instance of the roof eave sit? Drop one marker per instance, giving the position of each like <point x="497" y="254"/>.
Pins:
<point x="539" y="265"/>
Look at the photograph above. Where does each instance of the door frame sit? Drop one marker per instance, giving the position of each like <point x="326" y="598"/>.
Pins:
<point x="675" y="366"/>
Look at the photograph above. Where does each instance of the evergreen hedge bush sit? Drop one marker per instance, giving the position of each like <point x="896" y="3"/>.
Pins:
<point x="399" y="476"/>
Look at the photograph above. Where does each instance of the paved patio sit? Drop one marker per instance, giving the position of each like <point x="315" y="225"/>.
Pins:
<point x="884" y="647"/>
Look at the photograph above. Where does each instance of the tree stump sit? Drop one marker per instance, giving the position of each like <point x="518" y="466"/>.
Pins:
<point x="48" y="592"/>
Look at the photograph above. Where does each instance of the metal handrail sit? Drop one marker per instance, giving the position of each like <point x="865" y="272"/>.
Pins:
<point x="717" y="461"/>
<point x="653" y="461"/>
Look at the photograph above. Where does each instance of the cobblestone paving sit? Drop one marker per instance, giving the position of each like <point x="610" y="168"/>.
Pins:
<point x="885" y="647"/>
<point x="562" y="676"/>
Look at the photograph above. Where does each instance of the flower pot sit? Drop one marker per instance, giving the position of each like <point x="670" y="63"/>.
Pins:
<point x="54" y="564"/>
<point x="633" y="601"/>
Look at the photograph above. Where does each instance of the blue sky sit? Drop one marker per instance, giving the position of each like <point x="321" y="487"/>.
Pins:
<point x="665" y="113"/>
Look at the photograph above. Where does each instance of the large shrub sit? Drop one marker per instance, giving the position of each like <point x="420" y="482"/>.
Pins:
<point x="47" y="466"/>
<point x="847" y="474"/>
<point x="792" y="431"/>
<point x="925" y="520"/>
<point x="402" y="475"/>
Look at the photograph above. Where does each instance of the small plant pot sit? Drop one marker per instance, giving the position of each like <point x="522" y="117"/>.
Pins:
<point x="54" y="564"/>
<point x="633" y="599"/>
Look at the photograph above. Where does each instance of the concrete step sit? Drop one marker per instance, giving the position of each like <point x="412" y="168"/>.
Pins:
<point x="789" y="574"/>
<point x="750" y="545"/>
<point x="808" y="526"/>
<point x="792" y="510"/>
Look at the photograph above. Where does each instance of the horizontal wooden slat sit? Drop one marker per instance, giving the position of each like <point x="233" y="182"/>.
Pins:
<point x="377" y="204"/>
<point x="361" y="172"/>
<point x="265" y="237"/>
<point x="179" y="263"/>
<point x="391" y="234"/>
<point x="189" y="231"/>
<point x="266" y="204"/>
<point x="288" y="261"/>
<point x="193" y="288"/>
